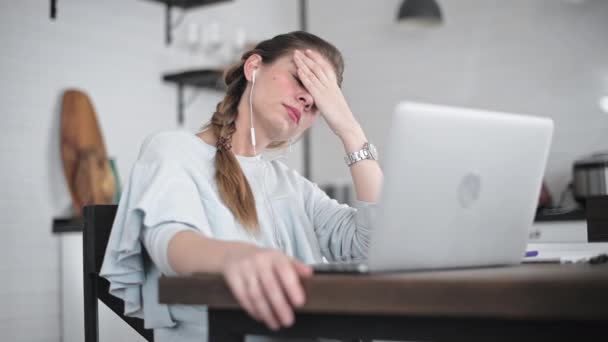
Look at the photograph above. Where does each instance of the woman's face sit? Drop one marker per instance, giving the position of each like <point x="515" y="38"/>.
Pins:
<point x="282" y="106"/>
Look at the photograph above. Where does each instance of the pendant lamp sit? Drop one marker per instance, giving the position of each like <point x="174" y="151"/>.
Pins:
<point x="421" y="12"/>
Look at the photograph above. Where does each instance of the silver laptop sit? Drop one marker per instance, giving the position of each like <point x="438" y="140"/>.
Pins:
<point x="460" y="189"/>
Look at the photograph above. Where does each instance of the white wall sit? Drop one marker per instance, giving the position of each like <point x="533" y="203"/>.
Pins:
<point x="541" y="57"/>
<point x="115" y="51"/>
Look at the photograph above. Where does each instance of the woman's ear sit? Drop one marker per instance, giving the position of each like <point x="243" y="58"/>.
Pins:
<point x="252" y="63"/>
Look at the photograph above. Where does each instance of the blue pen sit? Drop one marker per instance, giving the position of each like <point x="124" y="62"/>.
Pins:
<point x="531" y="254"/>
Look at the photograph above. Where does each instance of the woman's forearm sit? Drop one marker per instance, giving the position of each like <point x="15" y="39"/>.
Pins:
<point x="265" y="281"/>
<point x="190" y="252"/>
<point x="366" y="174"/>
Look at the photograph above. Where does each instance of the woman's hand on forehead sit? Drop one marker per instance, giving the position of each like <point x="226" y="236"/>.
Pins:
<point x="321" y="65"/>
<point x="319" y="78"/>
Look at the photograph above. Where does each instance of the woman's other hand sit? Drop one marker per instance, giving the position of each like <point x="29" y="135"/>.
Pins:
<point x="267" y="284"/>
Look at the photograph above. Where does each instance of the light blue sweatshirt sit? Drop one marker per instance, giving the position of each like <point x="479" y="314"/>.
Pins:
<point x="172" y="188"/>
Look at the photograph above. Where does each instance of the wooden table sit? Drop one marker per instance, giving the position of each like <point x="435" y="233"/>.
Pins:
<point x="520" y="303"/>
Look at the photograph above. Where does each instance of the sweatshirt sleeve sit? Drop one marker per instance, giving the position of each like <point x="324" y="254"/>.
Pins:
<point x="161" y="192"/>
<point x="343" y="231"/>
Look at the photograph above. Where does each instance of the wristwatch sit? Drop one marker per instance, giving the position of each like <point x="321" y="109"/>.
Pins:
<point x="367" y="152"/>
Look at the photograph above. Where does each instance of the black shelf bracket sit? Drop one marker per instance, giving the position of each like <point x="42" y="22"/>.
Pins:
<point x="168" y="24"/>
<point x="180" y="103"/>
<point x="203" y="79"/>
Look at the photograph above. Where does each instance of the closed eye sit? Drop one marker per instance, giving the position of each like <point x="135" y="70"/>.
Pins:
<point x="314" y="107"/>
<point x="298" y="80"/>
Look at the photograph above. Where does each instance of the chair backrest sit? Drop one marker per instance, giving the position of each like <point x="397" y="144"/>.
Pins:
<point x="98" y="220"/>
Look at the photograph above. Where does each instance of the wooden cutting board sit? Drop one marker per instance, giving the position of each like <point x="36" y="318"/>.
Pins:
<point x="85" y="162"/>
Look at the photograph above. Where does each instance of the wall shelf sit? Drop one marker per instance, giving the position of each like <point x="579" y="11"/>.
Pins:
<point x="188" y="4"/>
<point x="183" y="4"/>
<point x="200" y="78"/>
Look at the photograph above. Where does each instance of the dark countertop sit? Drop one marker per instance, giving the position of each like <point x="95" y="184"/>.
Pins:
<point x="551" y="215"/>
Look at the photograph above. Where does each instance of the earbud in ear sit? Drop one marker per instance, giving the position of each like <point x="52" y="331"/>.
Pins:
<point x="254" y="71"/>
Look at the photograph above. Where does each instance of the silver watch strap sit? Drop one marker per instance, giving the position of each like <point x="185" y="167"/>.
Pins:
<point x="362" y="154"/>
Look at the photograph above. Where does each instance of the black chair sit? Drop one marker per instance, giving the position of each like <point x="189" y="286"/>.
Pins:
<point x="98" y="220"/>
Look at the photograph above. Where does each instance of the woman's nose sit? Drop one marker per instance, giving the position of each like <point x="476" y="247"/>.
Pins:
<point x="306" y="100"/>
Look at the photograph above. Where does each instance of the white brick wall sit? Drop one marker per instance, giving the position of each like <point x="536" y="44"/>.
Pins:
<point x="115" y="51"/>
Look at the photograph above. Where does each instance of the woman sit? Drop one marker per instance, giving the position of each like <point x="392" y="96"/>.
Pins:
<point x="210" y="203"/>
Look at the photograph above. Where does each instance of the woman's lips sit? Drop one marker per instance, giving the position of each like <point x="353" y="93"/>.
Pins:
<point x="294" y="114"/>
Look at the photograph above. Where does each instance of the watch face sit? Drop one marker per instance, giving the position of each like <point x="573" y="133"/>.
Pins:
<point x="373" y="151"/>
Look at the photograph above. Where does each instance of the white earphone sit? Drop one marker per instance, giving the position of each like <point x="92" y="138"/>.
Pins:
<point x="251" y="113"/>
